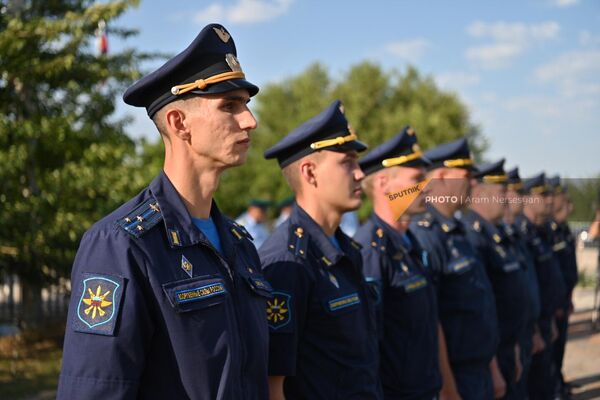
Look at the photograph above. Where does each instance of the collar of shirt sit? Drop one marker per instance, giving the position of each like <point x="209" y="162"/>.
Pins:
<point x="177" y="218"/>
<point x="317" y="236"/>
<point x="451" y="222"/>
<point x="397" y="239"/>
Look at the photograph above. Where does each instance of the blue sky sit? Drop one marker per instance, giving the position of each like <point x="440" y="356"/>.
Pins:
<point x="529" y="71"/>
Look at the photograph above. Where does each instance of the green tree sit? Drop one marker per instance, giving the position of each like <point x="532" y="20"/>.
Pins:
<point x="65" y="160"/>
<point x="378" y="105"/>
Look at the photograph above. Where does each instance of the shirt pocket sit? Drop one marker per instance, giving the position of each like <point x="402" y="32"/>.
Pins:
<point x="257" y="283"/>
<point x="196" y="293"/>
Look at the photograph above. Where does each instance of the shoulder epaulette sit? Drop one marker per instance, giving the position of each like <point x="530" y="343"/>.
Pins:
<point x="378" y="240"/>
<point x="298" y="241"/>
<point x="143" y="218"/>
<point x="426" y="220"/>
<point x="239" y="231"/>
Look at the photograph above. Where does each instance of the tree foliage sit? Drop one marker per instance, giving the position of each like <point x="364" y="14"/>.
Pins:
<point x="378" y="105"/>
<point x="65" y="160"/>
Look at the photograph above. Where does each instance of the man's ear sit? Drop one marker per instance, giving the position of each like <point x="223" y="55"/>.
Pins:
<point x="307" y="172"/>
<point x="176" y="124"/>
<point x="381" y="183"/>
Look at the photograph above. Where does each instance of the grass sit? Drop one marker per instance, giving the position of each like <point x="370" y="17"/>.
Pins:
<point x="586" y="280"/>
<point x="29" y="365"/>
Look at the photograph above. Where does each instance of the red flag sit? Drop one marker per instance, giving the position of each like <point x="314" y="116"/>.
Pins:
<point x="102" y="38"/>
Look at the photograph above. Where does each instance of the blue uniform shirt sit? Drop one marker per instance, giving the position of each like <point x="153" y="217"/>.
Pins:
<point x="563" y="245"/>
<point x="550" y="280"/>
<point x="157" y="313"/>
<point x="209" y="229"/>
<point x="407" y="308"/>
<point x="321" y="320"/>
<point x="509" y="282"/>
<point x="466" y="302"/>
<point x="505" y="273"/>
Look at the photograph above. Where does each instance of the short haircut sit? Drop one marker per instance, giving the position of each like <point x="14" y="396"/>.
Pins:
<point x="159" y="116"/>
<point x="291" y="172"/>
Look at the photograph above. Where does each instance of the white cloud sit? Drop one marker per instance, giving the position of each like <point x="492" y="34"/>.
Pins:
<point x="515" y="32"/>
<point x="457" y="80"/>
<point x="588" y="39"/>
<point x="244" y="11"/>
<point x="576" y="73"/>
<point x="508" y="41"/>
<point x="565" y="3"/>
<point x="492" y="56"/>
<point x="411" y="50"/>
<point x="213" y="13"/>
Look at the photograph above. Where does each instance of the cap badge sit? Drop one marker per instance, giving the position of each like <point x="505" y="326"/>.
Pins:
<point x="222" y="34"/>
<point x="233" y="62"/>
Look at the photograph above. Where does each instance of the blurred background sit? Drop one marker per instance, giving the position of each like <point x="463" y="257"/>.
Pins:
<point x="520" y="78"/>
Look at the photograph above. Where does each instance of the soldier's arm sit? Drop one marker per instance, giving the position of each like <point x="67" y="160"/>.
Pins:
<point x="109" y="326"/>
<point x="276" y="388"/>
<point x="497" y="379"/>
<point x="286" y="314"/>
<point x="449" y="390"/>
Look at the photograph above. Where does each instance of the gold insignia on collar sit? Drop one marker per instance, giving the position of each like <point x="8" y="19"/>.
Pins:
<point x="326" y="261"/>
<point x="445" y="227"/>
<point x="222" y="34"/>
<point x="477" y="226"/>
<point x="155" y="207"/>
<point x="299" y="232"/>
<point x="233" y="62"/>
<point x="497" y="238"/>
<point x="175" y="237"/>
<point x="379" y="232"/>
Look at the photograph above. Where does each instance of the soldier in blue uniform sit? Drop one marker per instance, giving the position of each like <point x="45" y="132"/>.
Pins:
<point x="465" y="299"/>
<point x="508" y="277"/>
<point x="563" y="245"/>
<point x="537" y="208"/>
<point x="323" y="342"/>
<point x="408" y="323"/>
<point x="530" y="341"/>
<point x="168" y="299"/>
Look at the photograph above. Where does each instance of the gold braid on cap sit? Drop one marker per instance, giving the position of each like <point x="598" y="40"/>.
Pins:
<point x="338" y="141"/>
<point x="203" y="83"/>
<point x="494" y="178"/>
<point x="390" y="162"/>
<point x="460" y="162"/>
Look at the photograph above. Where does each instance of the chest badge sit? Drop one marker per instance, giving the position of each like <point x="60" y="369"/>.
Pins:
<point x="334" y="280"/>
<point x="187" y="266"/>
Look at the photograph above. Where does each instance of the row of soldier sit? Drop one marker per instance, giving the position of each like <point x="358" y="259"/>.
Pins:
<point x="447" y="301"/>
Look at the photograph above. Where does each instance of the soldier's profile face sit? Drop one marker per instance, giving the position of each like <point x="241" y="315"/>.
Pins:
<point x="514" y="205"/>
<point x="221" y="125"/>
<point x="338" y="178"/>
<point x="400" y="178"/>
<point x="458" y="182"/>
